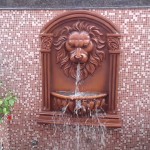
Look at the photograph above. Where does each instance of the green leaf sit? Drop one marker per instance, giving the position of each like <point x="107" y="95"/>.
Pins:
<point x="8" y="97"/>
<point x="11" y="102"/>
<point x="6" y="111"/>
<point x="1" y="120"/>
<point x="6" y="103"/>
<point x="1" y="110"/>
<point x="1" y="102"/>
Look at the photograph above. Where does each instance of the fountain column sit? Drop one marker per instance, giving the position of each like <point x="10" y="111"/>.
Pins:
<point x="46" y="42"/>
<point x="114" y="51"/>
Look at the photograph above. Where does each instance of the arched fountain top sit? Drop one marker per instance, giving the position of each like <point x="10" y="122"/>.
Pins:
<point x="75" y="15"/>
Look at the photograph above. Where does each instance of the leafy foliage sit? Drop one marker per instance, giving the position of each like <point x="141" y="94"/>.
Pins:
<point x="6" y="104"/>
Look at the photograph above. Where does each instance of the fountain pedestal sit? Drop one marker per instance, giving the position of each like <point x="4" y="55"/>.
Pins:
<point x="50" y="117"/>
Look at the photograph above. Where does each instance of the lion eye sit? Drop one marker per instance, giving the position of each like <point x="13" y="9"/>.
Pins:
<point x="73" y="46"/>
<point x="71" y="42"/>
<point x="84" y="46"/>
<point x="68" y="46"/>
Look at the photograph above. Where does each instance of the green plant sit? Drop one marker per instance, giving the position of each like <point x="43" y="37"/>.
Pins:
<point x="6" y="104"/>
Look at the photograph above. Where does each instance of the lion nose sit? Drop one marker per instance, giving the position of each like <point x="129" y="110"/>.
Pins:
<point x="78" y="53"/>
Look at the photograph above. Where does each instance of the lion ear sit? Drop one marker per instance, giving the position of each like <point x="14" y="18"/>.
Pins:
<point x="68" y="47"/>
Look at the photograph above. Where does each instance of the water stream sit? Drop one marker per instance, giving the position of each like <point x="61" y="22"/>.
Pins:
<point x="77" y="92"/>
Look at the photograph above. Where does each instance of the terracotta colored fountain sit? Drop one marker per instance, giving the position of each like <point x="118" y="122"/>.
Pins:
<point x="85" y="42"/>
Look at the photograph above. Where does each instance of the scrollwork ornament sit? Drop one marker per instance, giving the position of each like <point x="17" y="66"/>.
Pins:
<point x="46" y="42"/>
<point x="114" y="43"/>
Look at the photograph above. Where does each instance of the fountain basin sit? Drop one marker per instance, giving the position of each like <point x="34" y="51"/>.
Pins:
<point x="83" y="102"/>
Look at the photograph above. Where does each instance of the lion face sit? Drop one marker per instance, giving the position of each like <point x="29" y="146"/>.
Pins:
<point x="79" y="45"/>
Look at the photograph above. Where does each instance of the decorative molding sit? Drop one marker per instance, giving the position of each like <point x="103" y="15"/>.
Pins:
<point x="51" y="117"/>
<point x="114" y="50"/>
<point x="72" y="4"/>
<point x="113" y="42"/>
<point x="45" y="57"/>
<point x="46" y="42"/>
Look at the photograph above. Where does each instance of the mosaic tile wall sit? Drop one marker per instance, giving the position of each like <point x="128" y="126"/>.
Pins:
<point x="4" y="135"/>
<point x="20" y="70"/>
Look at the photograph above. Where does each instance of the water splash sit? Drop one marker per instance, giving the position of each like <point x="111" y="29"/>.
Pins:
<point x="78" y="136"/>
<point x="78" y="107"/>
<point x="64" y="109"/>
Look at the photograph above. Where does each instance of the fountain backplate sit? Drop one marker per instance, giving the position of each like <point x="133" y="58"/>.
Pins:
<point x="88" y="39"/>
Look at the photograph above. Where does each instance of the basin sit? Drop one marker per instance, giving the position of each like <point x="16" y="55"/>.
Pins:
<point x="85" y="102"/>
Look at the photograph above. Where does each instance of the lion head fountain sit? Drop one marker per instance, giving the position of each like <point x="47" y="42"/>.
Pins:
<point x="85" y="42"/>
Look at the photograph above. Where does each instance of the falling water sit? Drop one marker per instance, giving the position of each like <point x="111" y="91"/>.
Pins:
<point x="78" y="105"/>
<point x="77" y="92"/>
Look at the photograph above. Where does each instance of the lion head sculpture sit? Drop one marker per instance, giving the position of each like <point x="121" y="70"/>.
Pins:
<point x="80" y="43"/>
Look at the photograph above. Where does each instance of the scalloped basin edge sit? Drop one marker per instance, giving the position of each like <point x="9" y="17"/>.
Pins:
<point x="83" y="95"/>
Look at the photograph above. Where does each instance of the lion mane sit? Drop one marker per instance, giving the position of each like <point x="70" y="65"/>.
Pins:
<point x="95" y="57"/>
